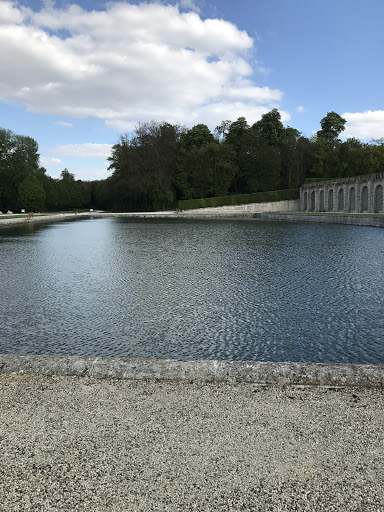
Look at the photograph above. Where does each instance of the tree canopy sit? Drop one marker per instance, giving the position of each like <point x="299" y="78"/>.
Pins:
<point x="331" y="127"/>
<point x="159" y="163"/>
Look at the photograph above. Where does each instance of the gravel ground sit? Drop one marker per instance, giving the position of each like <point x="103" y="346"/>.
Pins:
<point x="77" y="443"/>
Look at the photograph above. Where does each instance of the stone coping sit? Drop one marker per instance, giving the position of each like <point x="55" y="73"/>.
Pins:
<point x="355" y="219"/>
<point x="263" y="373"/>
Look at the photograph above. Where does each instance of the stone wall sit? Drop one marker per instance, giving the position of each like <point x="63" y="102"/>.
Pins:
<point x="265" y="373"/>
<point x="360" y="194"/>
<point x="349" y="220"/>
<point x="276" y="206"/>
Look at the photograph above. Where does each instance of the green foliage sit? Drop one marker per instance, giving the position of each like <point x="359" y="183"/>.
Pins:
<point x="207" y="170"/>
<point x="18" y="158"/>
<point x="145" y="164"/>
<point x="270" y="127"/>
<point x="31" y="193"/>
<point x="259" y="162"/>
<point x="196" y="137"/>
<point x="331" y="127"/>
<point x="236" y="132"/>
<point x="160" y="164"/>
<point x="258" y="197"/>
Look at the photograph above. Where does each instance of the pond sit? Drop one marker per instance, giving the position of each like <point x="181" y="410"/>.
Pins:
<point x="194" y="289"/>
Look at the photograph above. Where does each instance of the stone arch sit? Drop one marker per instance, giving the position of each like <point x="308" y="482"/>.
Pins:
<point x="379" y="199"/>
<point x="330" y="201"/>
<point x="364" y="199"/>
<point x="321" y="200"/>
<point x="352" y="200"/>
<point x="340" y="200"/>
<point x="313" y="201"/>
<point x="305" y="201"/>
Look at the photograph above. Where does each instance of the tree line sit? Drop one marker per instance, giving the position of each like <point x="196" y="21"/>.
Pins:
<point x="160" y="163"/>
<point x="24" y="184"/>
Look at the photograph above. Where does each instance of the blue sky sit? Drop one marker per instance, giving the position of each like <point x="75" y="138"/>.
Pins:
<point x="75" y="76"/>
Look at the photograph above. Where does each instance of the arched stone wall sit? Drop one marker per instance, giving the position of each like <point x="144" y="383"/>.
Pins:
<point x="364" y="199"/>
<point x="322" y="204"/>
<point x="352" y="200"/>
<point x="313" y="201"/>
<point x="378" y="199"/>
<point x="360" y="194"/>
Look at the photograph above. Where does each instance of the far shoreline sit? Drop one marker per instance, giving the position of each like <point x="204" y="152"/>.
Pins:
<point x="351" y="219"/>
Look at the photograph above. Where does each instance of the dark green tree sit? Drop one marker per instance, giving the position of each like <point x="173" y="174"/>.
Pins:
<point x="236" y="132"/>
<point x="294" y="158"/>
<point x="270" y="127"/>
<point x="18" y="157"/>
<point x="31" y="193"/>
<point x="198" y="136"/>
<point x="331" y="127"/>
<point x="222" y="130"/>
<point x="69" y="191"/>
<point x="206" y="171"/>
<point x="144" y="165"/>
<point x="260" y="164"/>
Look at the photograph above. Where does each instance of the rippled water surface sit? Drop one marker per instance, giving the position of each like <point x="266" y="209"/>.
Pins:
<point x="236" y="290"/>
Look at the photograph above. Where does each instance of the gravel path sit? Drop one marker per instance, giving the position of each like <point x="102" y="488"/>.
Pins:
<point x="78" y="443"/>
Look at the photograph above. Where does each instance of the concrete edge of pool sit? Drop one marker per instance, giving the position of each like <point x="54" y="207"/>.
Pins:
<point x="263" y="373"/>
<point x="350" y="219"/>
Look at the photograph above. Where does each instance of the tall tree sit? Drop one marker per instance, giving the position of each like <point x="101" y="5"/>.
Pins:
<point x="144" y="166"/>
<point x="294" y="158"/>
<point x="206" y="171"/>
<point x="270" y="127"/>
<point x="31" y="193"/>
<point x="198" y="136"/>
<point x="260" y="164"/>
<point x="236" y="132"/>
<point x="18" y="158"/>
<point x="69" y="191"/>
<point x="331" y="127"/>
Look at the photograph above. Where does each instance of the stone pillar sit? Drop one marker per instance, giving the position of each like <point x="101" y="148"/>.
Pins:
<point x="358" y="196"/>
<point x="346" y="197"/>
<point x="371" y="196"/>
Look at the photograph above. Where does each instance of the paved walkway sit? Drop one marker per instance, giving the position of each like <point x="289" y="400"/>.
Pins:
<point x="78" y="443"/>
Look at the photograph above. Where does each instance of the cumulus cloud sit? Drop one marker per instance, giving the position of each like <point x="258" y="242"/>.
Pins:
<point x="86" y="174"/>
<point x="128" y="63"/>
<point x="10" y="13"/>
<point x="300" y="109"/>
<point x="364" y="125"/>
<point x="87" y="150"/>
<point x="189" y="5"/>
<point x="47" y="161"/>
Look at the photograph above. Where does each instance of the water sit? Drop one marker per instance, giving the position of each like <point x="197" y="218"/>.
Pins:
<point x="190" y="289"/>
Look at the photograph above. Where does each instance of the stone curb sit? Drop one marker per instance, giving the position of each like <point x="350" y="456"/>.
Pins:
<point x="263" y="373"/>
<point x="349" y="220"/>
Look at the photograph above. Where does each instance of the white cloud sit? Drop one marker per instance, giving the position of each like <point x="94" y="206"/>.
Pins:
<point x="87" y="150"/>
<point x="364" y="125"/>
<point x="128" y="63"/>
<point x="189" y="4"/>
<point x="47" y="161"/>
<point x="65" y="124"/>
<point x="10" y="14"/>
<point x="300" y="109"/>
<point x="86" y="174"/>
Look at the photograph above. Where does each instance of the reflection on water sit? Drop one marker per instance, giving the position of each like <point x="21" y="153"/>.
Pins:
<point x="190" y="289"/>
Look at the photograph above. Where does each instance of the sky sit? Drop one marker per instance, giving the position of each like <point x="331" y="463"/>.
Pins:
<point x="75" y="76"/>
